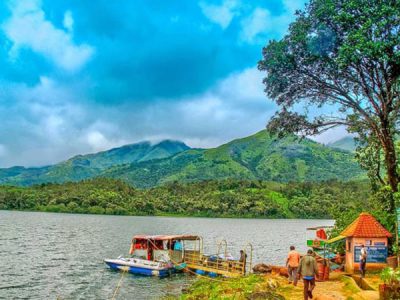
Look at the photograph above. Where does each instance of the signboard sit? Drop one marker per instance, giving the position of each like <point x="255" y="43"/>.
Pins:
<point x="376" y="254"/>
<point x="379" y="243"/>
<point x="315" y="243"/>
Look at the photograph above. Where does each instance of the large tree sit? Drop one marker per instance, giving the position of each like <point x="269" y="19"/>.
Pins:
<point x="344" y="54"/>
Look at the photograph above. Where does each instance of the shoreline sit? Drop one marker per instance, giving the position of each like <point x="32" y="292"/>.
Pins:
<point x="163" y="215"/>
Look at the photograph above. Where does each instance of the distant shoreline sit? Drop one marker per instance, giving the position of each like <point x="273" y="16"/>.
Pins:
<point x="163" y="215"/>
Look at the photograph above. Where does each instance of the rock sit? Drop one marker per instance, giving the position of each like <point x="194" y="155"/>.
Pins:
<point x="265" y="296"/>
<point x="262" y="268"/>
<point x="284" y="272"/>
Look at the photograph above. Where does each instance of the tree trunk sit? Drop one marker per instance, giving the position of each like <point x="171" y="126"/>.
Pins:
<point x="391" y="163"/>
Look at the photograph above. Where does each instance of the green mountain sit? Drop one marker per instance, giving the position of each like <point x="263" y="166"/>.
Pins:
<point x="259" y="157"/>
<point x="347" y="143"/>
<point x="91" y="165"/>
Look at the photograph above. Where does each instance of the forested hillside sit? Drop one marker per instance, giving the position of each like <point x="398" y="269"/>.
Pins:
<point x="91" y="165"/>
<point x="226" y="198"/>
<point x="257" y="157"/>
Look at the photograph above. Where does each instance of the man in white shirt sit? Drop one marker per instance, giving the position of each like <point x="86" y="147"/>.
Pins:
<point x="363" y="260"/>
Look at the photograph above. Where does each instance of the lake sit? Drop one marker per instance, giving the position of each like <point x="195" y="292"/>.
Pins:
<point x="48" y="255"/>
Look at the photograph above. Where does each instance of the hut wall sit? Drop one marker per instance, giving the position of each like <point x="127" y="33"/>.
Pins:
<point x="351" y="243"/>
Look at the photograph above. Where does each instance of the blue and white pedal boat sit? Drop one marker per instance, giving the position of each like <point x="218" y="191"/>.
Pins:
<point x="140" y="266"/>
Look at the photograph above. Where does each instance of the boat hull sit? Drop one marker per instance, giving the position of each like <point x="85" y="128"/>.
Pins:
<point x="139" y="267"/>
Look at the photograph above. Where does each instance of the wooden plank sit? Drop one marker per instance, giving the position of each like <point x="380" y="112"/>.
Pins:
<point x="217" y="271"/>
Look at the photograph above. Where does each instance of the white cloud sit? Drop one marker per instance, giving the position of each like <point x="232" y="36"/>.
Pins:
<point x="68" y="21"/>
<point x="28" y="27"/>
<point x="243" y="86"/>
<point x="102" y="133"/>
<point x="261" y="24"/>
<point x="236" y="106"/>
<point x="258" y="22"/>
<point x="51" y="125"/>
<point x="45" y="124"/>
<point x="331" y="135"/>
<point x="220" y="14"/>
<point x="97" y="140"/>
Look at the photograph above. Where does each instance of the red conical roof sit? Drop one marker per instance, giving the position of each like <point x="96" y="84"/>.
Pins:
<point x="366" y="226"/>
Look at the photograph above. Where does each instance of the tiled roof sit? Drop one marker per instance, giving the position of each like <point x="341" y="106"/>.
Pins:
<point x="366" y="226"/>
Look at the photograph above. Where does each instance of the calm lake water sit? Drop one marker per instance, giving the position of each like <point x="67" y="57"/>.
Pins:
<point x="46" y="255"/>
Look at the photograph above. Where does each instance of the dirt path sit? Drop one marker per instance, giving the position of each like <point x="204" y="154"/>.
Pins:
<point x="337" y="289"/>
<point x="331" y="290"/>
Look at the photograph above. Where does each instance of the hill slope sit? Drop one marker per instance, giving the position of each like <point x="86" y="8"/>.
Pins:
<point x="87" y="166"/>
<point x="259" y="156"/>
<point x="224" y="198"/>
<point x="347" y="143"/>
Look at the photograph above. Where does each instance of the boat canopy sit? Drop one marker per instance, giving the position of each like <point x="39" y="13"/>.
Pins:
<point x="186" y="237"/>
<point x="320" y="227"/>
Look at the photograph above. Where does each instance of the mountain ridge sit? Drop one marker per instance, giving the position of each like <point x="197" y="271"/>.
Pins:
<point x="83" y="166"/>
<point x="257" y="157"/>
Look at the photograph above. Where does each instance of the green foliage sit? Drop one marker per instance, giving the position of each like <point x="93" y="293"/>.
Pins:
<point x="249" y="287"/>
<point x="345" y="55"/>
<point x="225" y="198"/>
<point x="390" y="276"/>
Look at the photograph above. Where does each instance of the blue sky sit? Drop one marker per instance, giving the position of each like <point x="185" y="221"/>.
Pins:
<point x="78" y="77"/>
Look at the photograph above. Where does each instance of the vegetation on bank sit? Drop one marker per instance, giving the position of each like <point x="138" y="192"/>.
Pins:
<point x="226" y="198"/>
<point x="248" y="287"/>
<point x="270" y="287"/>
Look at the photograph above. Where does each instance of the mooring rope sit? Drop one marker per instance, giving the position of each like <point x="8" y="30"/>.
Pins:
<point x="116" y="291"/>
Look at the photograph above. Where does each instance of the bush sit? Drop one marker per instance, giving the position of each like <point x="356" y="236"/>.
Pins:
<point x="96" y="210"/>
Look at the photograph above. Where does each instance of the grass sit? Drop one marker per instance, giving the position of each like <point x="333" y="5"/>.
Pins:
<point x="350" y="286"/>
<point x="272" y="287"/>
<point x="249" y="287"/>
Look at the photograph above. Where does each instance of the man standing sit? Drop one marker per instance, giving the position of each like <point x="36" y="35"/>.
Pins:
<point x="363" y="260"/>
<point x="292" y="264"/>
<point x="308" y="269"/>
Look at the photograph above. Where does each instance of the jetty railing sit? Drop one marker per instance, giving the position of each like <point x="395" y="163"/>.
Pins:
<point x="214" y="264"/>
